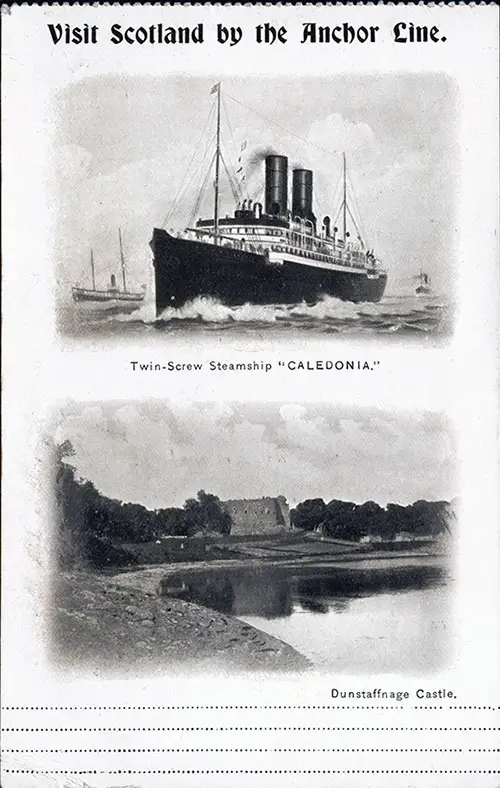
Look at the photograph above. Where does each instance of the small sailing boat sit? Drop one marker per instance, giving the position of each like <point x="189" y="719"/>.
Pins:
<point x="113" y="292"/>
<point x="424" y="286"/>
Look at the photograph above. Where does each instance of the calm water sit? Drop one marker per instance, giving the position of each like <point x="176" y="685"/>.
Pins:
<point x="380" y="616"/>
<point x="418" y="316"/>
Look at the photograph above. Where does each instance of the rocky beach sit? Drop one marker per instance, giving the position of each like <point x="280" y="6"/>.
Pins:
<point x="102" y="623"/>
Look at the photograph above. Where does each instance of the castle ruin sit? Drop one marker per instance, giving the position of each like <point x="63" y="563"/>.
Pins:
<point x="258" y="516"/>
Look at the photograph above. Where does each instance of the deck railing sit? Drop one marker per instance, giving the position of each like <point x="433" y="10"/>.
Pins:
<point x="343" y="257"/>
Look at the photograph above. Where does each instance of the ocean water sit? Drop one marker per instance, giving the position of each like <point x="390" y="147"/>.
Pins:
<point x="421" y="317"/>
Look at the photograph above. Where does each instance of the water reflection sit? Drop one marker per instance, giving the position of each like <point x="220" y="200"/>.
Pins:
<point x="262" y="593"/>
<point x="273" y="593"/>
<point x="378" y="616"/>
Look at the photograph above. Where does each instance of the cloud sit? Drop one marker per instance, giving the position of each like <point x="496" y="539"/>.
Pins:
<point x="337" y="133"/>
<point x="159" y="454"/>
<point x="72" y="163"/>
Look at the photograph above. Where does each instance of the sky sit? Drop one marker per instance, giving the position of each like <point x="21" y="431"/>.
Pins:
<point x="122" y="146"/>
<point x="158" y="454"/>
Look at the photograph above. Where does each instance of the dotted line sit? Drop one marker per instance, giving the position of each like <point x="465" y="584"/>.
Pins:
<point x="236" y="749"/>
<point x="241" y="708"/>
<point x="109" y="730"/>
<point x="255" y="771"/>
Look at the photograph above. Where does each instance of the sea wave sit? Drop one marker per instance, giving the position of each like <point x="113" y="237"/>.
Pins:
<point x="210" y="310"/>
<point x="394" y="314"/>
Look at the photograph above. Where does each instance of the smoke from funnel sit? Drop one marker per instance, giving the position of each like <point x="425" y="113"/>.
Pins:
<point x="257" y="157"/>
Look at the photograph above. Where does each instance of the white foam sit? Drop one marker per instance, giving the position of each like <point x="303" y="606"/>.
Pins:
<point x="210" y="310"/>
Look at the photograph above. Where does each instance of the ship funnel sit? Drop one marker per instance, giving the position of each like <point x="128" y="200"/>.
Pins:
<point x="276" y="202"/>
<point x="302" y="194"/>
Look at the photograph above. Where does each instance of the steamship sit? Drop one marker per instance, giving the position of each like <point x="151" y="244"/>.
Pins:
<point x="266" y="254"/>
<point x="424" y="283"/>
<point x="113" y="292"/>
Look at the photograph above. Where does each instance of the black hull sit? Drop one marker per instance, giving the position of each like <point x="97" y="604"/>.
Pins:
<point x="186" y="269"/>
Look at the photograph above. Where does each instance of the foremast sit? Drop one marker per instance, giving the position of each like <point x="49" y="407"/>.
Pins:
<point x="92" y="268"/>
<point x="216" y="89"/>
<point x="122" y="260"/>
<point x="344" y="201"/>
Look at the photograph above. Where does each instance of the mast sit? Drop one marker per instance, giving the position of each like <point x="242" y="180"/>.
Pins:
<point x="217" y="166"/>
<point x="344" y="203"/>
<point x="122" y="260"/>
<point x="92" y="267"/>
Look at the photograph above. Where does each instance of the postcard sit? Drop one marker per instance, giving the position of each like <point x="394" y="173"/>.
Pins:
<point x="250" y="488"/>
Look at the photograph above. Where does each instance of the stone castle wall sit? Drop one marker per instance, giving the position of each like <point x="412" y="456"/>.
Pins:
<point x="258" y="516"/>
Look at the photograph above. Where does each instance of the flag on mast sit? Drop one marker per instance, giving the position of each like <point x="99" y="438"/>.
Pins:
<point x="215" y="88"/>
<point x="240" y="157"/>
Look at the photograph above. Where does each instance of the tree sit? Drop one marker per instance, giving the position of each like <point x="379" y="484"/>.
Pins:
<point x="71" y="500"/>
<point x="371" y="519"/>
<point x="171" y="522"/>
<point x="205" y="513"/>
<point x="351" y="521"/>
<point x="340" y="520"/>
<point x="308" y="514"/>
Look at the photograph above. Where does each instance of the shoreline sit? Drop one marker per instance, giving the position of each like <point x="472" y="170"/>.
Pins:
<point x="148" y="576"/>
<point x="119" y="621"/>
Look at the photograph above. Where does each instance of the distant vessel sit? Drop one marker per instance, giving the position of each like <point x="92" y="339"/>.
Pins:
<point x="265" y="254"/>
<point x="113" y="293"/>
<point x="424" y="286"/>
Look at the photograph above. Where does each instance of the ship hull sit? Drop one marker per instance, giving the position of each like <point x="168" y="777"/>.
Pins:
<point x="186" y="269"/>
<point x="102" y="296"/>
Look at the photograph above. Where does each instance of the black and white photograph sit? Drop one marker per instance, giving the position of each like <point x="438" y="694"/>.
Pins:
<point x="253" y="537"/>
<point x="284" y="206"/>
